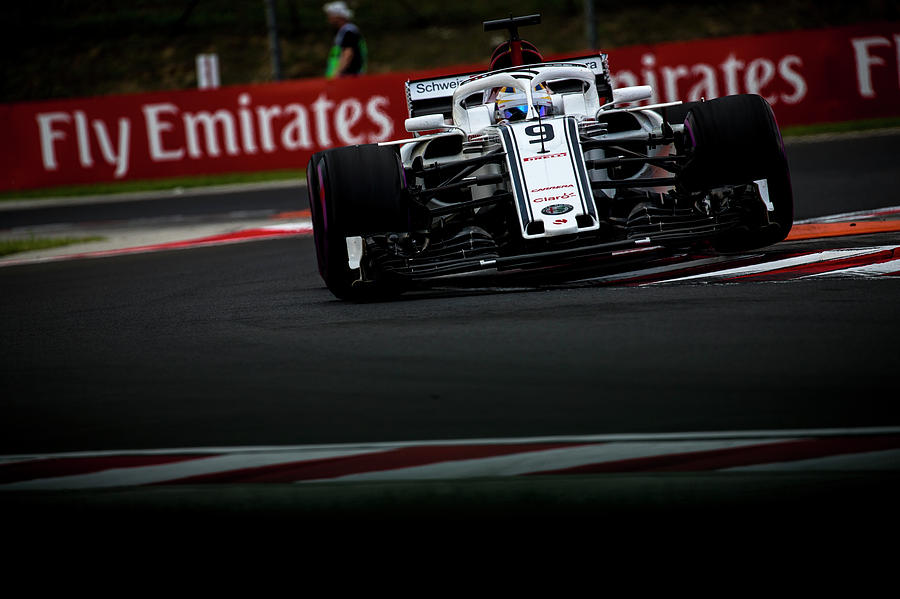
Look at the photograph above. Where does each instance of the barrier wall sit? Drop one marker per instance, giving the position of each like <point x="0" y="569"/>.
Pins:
<point x="809" y="77"/>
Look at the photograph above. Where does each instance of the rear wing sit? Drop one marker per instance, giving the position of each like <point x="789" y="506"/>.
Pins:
<point x="435" y="95"/>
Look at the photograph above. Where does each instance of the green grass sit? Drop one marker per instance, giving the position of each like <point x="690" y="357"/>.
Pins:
<point x="153" y="185"/>
<point x="846" y="127"/>
<point x="15" y="246"/>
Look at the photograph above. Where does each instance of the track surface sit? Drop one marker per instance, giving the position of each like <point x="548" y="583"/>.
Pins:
<point x="241" y="345"/>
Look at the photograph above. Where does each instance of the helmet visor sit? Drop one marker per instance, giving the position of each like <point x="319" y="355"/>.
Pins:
<point x="518" y="113"/>
<point x="514" y="113"/>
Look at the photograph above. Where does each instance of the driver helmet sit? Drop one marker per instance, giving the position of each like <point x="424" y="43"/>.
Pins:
<point x="512" y="104"/>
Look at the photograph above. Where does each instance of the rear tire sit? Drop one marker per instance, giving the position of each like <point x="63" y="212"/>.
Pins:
<point x="734" y="140"/>
<point x="354" y="191"/>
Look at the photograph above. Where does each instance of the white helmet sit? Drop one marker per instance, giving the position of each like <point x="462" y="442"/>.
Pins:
<point x="512" y="104"/>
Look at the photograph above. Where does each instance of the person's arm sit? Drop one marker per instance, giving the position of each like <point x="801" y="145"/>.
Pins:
<point x="344" y="60"/>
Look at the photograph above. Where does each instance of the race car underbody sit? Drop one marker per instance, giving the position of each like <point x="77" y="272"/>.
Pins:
<point x="586" y="181"/>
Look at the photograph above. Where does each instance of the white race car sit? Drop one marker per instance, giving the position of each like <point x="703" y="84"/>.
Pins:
<point x="543" y="168"/>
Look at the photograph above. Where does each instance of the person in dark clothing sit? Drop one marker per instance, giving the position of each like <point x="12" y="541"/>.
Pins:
<point x="348" y="55"/>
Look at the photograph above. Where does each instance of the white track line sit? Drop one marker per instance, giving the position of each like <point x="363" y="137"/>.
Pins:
<point x="527" y="459"/>
<point x="867" y="271"/>
<point x="669" y="268"/>
<point x="547" y="460"/>
<point x="823" y="256"/>
<point x="144" y="475"/>
<point x="849" y="216"/>
<point x="873" y="460"/>
<point x="380" y="446"/>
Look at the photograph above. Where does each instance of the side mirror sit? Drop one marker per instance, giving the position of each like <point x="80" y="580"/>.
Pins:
<point x="426" y="122"/>
<point x="634" y="93"/>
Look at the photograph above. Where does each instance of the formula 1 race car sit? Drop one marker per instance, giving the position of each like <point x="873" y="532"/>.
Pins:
<point x="540" y="167"/>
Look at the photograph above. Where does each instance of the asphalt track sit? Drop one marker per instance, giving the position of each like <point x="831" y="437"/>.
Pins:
<point x="240" y="345"/>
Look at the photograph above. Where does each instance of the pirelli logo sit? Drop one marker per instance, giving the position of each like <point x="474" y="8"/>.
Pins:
<point x="545" y="157"/>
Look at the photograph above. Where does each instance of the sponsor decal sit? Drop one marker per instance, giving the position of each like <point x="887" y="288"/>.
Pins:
<point x="564" y="196"/>
<point x="557" y="209"/>
<point x="794" y="71"/>
<point x="217" y="130"/>
<point x="779" y="79"/>
<point x="208" y="133"/>
<point x="434" y="86"/>
<point x="560" y="221"/>
<point x="544" y="157"/>
<point x="540" y="189"/>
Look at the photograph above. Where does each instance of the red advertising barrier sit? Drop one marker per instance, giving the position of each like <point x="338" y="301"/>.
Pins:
<point x="809" y="77"/>
<point x="231" y="129"/>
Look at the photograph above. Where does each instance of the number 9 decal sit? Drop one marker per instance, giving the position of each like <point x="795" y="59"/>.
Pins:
<point x="542" y="132"/>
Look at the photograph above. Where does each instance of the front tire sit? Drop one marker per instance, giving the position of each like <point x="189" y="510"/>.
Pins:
<point x="354" y="191"/>
<point x="735" y="140"/>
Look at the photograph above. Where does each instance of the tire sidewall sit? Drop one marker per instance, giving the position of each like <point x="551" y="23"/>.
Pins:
<point x="354" y="190"/>
<point x="734" y="140"/>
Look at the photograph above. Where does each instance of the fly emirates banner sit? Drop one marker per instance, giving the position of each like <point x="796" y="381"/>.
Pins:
<point x="809" y="77"/>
